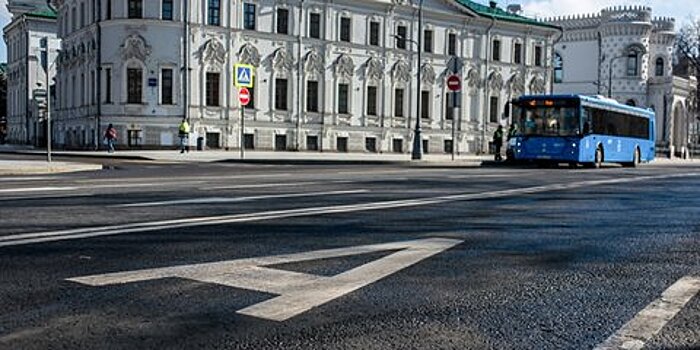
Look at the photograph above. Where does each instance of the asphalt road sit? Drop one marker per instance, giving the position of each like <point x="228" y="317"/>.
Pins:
<point x="350" y="256"/>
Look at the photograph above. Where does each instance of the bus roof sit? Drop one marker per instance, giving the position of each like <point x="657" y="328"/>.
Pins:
<point x="598" y="101"/>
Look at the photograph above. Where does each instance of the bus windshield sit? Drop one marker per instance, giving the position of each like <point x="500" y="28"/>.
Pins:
<point x="547" y="120"/>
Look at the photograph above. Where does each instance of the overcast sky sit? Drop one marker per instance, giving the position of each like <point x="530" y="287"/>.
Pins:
<point x="682" y="10"/>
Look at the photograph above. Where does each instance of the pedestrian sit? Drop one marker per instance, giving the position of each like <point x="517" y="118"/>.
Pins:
<point x="498" y="142"/>
<point x="184" y="133"/>
<point x="512" y="130"/>
<point x="110" y="138"/>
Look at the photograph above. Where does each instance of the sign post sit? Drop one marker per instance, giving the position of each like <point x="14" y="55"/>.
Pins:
<point x="243" y="79"/>
<point x="454" y="84"/>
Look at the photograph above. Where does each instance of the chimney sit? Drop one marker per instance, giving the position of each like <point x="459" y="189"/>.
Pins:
<point x="493" y="4"/>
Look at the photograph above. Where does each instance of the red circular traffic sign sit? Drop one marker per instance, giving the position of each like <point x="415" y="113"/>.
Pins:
<point x="454" y="83"/>
<point x="244" y="96"/>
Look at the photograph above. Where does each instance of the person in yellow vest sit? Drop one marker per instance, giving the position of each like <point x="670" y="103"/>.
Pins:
<point x="184" y="133"/>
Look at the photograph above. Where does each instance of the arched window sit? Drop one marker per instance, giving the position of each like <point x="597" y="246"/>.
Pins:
<point x="659" y="67"/>
<point x="631" y="102"/>
<point x="558" y="68"/>
<point x="633" y="62"/>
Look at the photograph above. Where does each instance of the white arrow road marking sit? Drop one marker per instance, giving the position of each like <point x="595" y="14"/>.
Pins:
<point x="298" y="292"/>
<point x="648" y="322"/>
<point x="216" y="200"/>
<point x="98" y="231"/>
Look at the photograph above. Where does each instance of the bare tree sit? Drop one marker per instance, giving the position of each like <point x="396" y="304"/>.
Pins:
<point x="688" y="50"/>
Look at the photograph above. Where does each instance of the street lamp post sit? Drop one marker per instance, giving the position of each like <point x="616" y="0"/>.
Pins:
<point x="417" y="153"/>
<point x="610" y="73"/>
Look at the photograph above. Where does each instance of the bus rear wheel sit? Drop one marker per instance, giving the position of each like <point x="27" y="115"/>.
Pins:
<point x="636" y="159"/>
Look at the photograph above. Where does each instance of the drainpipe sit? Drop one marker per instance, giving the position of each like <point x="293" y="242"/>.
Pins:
<point x="300" y="78"/>
<point x="484" y="121"/>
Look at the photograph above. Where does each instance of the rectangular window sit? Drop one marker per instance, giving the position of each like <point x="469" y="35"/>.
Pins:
<point x="343" y="98"/>
<point x="315" y="25"/>
<point x="371" y="100"/>
<point x="214" y="13"/>
<point x="447" y="146"/>
<point x="493" y="109"/>
<point x="538" y="56"/>
<point x="374" y="33"/>
<point x="398" y="103"/>
<point x="312" y="143"/>
<point x="166" y="86"/>
<point x="213" y="89"/>
<point x="135" y="8"/>
<point x="312" y="96"/>
<point x="371" y="144"/>
<point x="249" y="141"/>
<point x="167" y="10"/>
<point x="280" y="142"/>
<point x="345" y="29"/>
<point x="518" y="53"/>
<point x="341" y="144"/>
<point x="108" y="85"/>
<point x="425" y="104"/>
<point x="134" y="85"/>
<point x="249" y="16"/>
<point x="251" y="101"/>
<point x="428" y="40"/>
<point x="401" y="37"/>
<point x="281" y="94"/>
<point x="496" y="50"/>
<point x="397" y="145"/>
<point x="426" y="143"/>
<point x="452" y="44"/>
<point x="282" y="21"/>
<point x="108" y="12"/>
<point x="448" y="104"/>
<point x="82" y="14"/>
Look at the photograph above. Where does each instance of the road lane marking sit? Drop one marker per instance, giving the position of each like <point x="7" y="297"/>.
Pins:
<point x="237" y="187"/>
<point x="218" y="200"/>
<point x="648" y="322"/>
<point x="30" y="178"/>
<point x="297" y="292"/>
<point x="37" y="189"/>
<point x="97" y="231"/>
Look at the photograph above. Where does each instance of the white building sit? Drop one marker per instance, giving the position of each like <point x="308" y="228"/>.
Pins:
<point x="330" y="76"/>
<point x="31" y="41"/>
<point x="625" y="53"/>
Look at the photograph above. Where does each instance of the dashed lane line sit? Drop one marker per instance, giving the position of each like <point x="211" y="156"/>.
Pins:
<point x="97" y="231"/>
<point x="219" y="200"/>
<point x="649" y="322"/>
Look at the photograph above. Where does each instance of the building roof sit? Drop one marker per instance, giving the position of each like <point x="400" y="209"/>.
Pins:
<point x="501" y="14"/>
<point x="43" y="13"/>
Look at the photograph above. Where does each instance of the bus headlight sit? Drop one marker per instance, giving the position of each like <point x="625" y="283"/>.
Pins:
<point x="573" y="145"/>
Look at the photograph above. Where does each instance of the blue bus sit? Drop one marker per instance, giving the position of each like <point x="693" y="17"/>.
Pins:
<point x="577" y="129"/>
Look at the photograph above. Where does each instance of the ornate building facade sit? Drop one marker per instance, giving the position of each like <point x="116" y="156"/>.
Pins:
<point x="32" y="42"/>
<point x="626" y="54"/>
<point x="330" y="76"/>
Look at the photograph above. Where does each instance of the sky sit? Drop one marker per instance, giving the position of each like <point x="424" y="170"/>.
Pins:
<point x="681" y="10"/>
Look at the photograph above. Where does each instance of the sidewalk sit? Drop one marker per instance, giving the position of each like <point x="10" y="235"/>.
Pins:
<point x="261" y="156"/>
<point x="31" y="167"/>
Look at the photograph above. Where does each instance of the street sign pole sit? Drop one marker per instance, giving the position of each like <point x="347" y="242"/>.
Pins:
<point x="454" y="84"/>
<point x="454" y="125"/>
<point x="243" y="79"/>
<point x="242" y="132"/>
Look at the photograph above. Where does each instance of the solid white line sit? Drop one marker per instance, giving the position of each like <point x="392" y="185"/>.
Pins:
<point x="29" y="178"/>
<point x="235" y="187"/>
<point x="217" y="200"/>
<point x="37" y="237"/>
<point x="37" y="189"/>
<point x="648" y="322"/>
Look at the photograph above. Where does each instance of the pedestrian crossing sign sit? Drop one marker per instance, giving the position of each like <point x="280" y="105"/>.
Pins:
<point x="243" y="76"/>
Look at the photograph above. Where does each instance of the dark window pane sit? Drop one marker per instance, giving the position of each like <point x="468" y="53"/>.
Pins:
<point x="496" y="54"/>
<point x="401" y="40"/>
<point x="343" y="98"/>
<point x="398" y="103"/>
<point x="312" y="143"/>
<point x="493" y="109"/>
<point x="108" y="85"/>
<point x="212" y="89"/>
<point x="135" y="8"/>
<point x="374" y="33"/>
<point x="167" y="86"/>
<point x="167" y="10"/>
<point x="428" y="41"/>
<point x="448" y="103"/>
<point x="518" y="54"/>
<point x="538" y="56"/>
<point x="371" y="100"/>
<point x="659" y="67"/>
<point x="425" y="104"/>
<point x="452" y="44"/>
<point x="371" y="144"/>
<point x="249" y="16"/>
<point x="251" y="102"/>
<point x="312" y="96"/>
<point x="134" y="85"/>
<point x="341" y="144"/>
<point x="214" y="12"/>
<point x="282" y="21"/>
<point x="281" y="94"/>
<point x="345" y="29"/>
<point x="315" y="25"/>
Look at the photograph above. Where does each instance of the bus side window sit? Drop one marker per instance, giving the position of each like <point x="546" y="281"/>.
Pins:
<point x="586" y="121"/>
